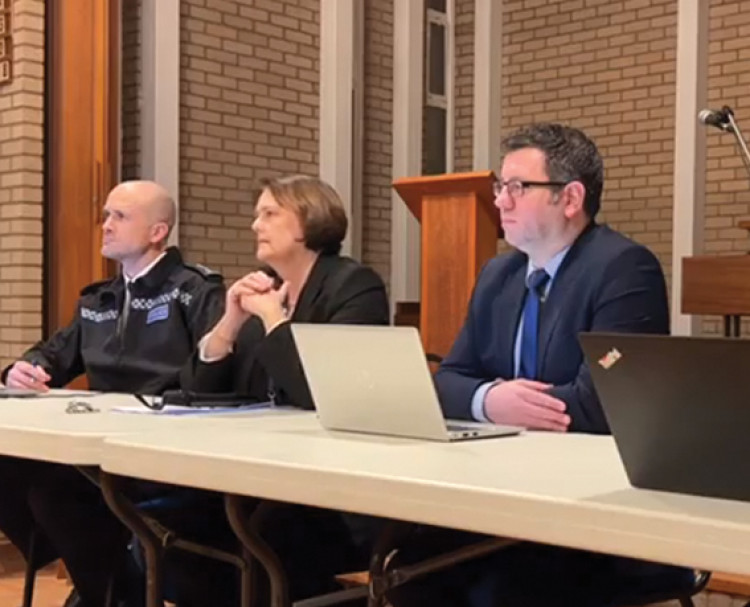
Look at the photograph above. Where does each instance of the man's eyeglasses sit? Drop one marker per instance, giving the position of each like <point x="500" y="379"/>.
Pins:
<point x="517" y="187"/>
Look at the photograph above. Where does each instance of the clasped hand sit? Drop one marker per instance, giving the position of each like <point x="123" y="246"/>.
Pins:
<point x="255" y="294"/>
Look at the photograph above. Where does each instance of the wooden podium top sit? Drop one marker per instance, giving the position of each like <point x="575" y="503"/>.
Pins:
<point x="413" y="189"/>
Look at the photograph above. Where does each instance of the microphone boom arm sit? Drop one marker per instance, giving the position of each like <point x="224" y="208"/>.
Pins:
<point x="735" y="129"/>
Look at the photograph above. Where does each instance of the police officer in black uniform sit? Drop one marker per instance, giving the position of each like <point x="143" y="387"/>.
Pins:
<point x="130" y="334"/>
<point x="141" y="350"/>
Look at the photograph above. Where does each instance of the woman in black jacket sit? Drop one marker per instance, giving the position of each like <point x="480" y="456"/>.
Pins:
<point x="299" y="224"/>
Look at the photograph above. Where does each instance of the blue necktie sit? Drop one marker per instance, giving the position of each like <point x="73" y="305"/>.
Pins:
<point x="530" y="331"/>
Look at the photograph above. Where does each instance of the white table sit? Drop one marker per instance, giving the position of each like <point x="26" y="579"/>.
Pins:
<point x="568" y="490"/>
<point x="40" y="428"/>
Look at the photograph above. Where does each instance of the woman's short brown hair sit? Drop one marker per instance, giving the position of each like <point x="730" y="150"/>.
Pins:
<point x="318" y="207"/>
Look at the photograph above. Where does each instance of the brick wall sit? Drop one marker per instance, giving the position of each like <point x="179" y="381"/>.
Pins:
<point x="248" y="109"/>
<point x="464" y="86"/>
<point x="727" y="186"/>
<point x="376" y="228"/>
<point x="608" y="67"/>
<point x="130" y="112"/>
<point x="21" y="182"/>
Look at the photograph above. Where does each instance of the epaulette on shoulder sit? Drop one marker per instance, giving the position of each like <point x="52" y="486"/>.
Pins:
<point x="205" y="271"/>
<point x="95" y="286"/>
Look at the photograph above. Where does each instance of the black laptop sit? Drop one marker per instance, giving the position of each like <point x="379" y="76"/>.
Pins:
<point x="678" y="408"/>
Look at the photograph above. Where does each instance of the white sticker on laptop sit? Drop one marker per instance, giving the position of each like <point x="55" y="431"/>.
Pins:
<point x="610" y="358"/>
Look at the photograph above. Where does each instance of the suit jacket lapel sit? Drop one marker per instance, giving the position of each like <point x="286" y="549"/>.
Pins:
<point x="303" y="311"/>
<point x="558" y="295"/>
<point x="550" y="314"/>
<point x="509" y="307"/>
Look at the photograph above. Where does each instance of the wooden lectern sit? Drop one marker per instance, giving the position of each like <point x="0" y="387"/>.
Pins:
<point x="460" y="228"/>
<point x="717" y="284"/>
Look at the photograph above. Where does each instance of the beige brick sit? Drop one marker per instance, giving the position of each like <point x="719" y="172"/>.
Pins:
<point x="204" y="15"/>
<point x="609" y="89"/>
<point x="21" y="178"/>
<point x="238" y="115"/>
<point x="199" y="40"/>
<point x="221" y="31"/>
<point x="253" y="13"/>
<point x="725" y="177"/>
<point x="553" y="53"/>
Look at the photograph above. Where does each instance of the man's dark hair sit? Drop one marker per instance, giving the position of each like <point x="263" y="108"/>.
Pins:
<point x="570" y="154"/>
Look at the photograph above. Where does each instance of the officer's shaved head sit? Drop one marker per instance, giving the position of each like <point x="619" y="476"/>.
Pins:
<point x="139" y="216"/>
<point x="152" y="198"/>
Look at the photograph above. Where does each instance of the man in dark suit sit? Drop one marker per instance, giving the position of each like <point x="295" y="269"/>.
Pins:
<point x="517" y="361"/>
<point x="591" y="279"/>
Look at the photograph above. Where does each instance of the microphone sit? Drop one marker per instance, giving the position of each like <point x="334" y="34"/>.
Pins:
<point x="724" y="119"/>
<point x="718" y="118"/>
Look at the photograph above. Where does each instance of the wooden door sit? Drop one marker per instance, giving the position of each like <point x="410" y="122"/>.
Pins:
<point x="81" y="146"/>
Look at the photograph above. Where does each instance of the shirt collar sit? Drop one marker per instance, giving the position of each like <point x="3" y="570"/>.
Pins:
<point x="552" y="266"/>
<point x="144" y="271"/>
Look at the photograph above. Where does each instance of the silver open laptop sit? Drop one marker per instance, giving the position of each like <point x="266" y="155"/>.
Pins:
<point x="376" y="380"/>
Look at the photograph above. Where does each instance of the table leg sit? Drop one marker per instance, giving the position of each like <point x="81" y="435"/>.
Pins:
<point x="334" y="598"/>
<point x="152" y="548"/>
<point x="30" y="575"/>
<point x="382" y="579"/>
<point x="383" y="550"/>
<point x="443" y="561"/>
<point x="246" y="527"/>
<point x="252" y="525"/>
